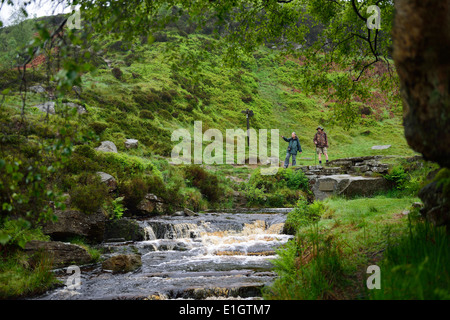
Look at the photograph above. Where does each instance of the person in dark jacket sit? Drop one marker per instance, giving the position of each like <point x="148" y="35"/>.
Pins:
<point x="293" y="147"/>
<point x="321" y="142"/>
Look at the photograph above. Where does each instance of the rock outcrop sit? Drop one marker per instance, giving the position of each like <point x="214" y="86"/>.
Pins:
<point x="150" y="205"/>
<point x="62" y="254"/>
<point x="131" y="143"/>
<point x="108" y="180"/>
<point x="74" y="223"/>
<point x="347" y="185"/>
<point x="50" y="107"/>
<point x="123" y="230"/>
<point x="436" y="204"/>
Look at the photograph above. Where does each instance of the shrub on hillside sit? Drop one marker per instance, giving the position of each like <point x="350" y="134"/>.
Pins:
<point x="206" y="182"/>
<point x="98" y="127"/>
<point x="133" y="191"/>
<point x="145" y="114"/>
<point x="88" y="193"/>
<point x="117" y="73"/>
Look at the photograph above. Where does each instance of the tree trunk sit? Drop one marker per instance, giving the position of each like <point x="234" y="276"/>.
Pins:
<point x="421" y="51"/>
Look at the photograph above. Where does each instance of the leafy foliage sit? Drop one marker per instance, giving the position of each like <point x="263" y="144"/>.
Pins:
<point x="88" y="193"/>
<point x="304" y="214"/>
<point x="397" y="176"/>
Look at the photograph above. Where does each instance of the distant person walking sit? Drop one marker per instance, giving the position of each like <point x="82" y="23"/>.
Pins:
<point x="321" y="142"/>
<point x="293" y="147"/>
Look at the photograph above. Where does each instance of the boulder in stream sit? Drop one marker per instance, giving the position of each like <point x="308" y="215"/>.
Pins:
<point x="122" y="263"/>
<point x="126" y="229"/>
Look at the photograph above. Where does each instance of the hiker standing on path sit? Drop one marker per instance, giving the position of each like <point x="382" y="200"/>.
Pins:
<point x="293" y="148"/>
<point x="321" y="142"/>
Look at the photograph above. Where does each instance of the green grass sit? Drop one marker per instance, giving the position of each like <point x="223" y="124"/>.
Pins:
<point x="327" y="259"/>
<point x="417" y="266"/>
<point x="20" y="278"/>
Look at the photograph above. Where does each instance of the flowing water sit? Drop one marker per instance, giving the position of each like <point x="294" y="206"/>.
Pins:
<point x="211" y="255"/>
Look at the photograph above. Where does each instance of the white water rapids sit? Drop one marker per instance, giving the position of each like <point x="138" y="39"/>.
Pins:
<point x="211" y="255"/>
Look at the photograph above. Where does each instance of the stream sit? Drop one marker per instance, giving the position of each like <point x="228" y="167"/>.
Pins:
<point x="214" y="255"/>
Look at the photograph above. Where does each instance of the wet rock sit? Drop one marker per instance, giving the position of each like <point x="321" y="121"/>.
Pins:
<point x="126" y="229"/>
<point x="244" y="291"/>
<point x="107" y="146"/>
<point x="73" y="223"/>
<point x="122" y="263"/>
<point x="151" y="205"/>
<point x="189" y="212"/>
<point x="62" y="254"/>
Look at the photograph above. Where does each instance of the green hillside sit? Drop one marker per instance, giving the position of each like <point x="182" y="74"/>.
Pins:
<point x="146" y="89"/>
<point x="157" y="91"/>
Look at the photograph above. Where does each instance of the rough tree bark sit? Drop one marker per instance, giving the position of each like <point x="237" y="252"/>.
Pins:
<point x="421" y="51"/>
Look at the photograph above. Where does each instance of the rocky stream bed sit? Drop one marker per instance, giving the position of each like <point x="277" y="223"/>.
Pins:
<point x="206" y="256"/>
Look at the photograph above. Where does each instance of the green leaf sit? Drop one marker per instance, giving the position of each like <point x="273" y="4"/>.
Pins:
<point x="4" y="237"/>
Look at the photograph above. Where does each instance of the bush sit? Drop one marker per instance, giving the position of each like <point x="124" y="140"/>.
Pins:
<point x="207" y="183"/>
<point x="398" y="177"/>
<point x="303" y="215"/>
<point x="297" y="180"/>
<point x="133" y="191"/>
<point x="89" y="193"/>
<point x="115" y="209"/>
<point x="117" y="73"/>
<point x="278" y="190"/>
<point x="85" y="151"/>
<point x="145" y="114"/>
<point x="192" y="199"/>
<point x="98" y="127"/>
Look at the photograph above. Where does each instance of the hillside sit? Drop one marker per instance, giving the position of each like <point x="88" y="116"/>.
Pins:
<point x="153" y="94"/>
<point x="145" y="90"/>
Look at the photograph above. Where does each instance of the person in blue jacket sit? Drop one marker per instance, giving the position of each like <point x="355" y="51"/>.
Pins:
<point x="293" y="147"/>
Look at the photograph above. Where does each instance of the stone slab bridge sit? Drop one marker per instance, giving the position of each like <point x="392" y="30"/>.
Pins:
<point x="358" y="176"/>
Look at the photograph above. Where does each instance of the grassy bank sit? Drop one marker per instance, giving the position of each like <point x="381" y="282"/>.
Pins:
<point x="327" y="257"/>
<point x="336" y="240"/>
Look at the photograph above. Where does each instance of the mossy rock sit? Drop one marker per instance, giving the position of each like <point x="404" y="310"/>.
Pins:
<point x="127" y="229"/>
<point x="122" y="263"/>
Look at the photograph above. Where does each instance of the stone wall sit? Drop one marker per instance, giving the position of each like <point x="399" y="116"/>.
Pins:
<point x="357" y="176"/>
<point x="363" y="166"/>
